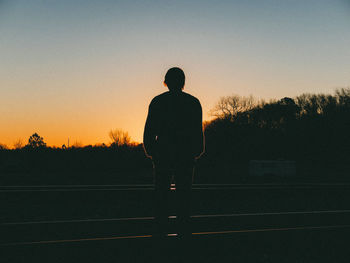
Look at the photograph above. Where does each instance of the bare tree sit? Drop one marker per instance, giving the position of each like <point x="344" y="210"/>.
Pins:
<point x="77" y="144"/>
<point x="317" y="104"/>
<point x="119" y="137"/>
<point x="18" y="144"/>
<point x="3" y="146"/>
<point x="343" y="96"/>
<point x="229" y="107"/>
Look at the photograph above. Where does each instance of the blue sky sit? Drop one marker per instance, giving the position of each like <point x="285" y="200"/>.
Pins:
<point x="80" y="68"/>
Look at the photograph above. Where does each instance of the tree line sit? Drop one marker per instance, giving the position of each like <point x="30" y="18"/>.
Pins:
<point x="311" y="129"/>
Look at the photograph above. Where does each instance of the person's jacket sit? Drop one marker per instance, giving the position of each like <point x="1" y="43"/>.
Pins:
<point x="173" y="127"/>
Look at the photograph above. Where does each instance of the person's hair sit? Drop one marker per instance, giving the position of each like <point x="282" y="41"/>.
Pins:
<point x="175" y="79"/>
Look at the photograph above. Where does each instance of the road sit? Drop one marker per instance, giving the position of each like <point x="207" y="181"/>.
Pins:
<point x="235" y="218"/>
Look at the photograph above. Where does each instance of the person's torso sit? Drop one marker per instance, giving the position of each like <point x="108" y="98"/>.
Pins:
<point x="176" y="117"/>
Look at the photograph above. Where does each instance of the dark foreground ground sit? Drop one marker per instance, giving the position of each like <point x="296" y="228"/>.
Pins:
<point x="256" y="223"/>
<point x="317" y="245"/>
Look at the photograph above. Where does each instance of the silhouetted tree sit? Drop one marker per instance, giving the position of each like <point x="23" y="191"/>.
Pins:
<point x="18" y="144"/>
<point x="35" y="141"/>
<point x="343" y="97"/>
<point x="230" y="106"/>
<point x="77" y="144"/>
<point x="3" y="146"/>
<point x="312" y="129"/>
<point x="119" y="137"/>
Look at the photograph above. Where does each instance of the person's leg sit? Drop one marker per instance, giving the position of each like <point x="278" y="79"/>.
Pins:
<point x="183" y="181"/>
<point x="162" y="188"/>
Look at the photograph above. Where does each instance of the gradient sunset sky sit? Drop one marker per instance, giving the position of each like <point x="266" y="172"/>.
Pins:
<point x="77" y="69"/>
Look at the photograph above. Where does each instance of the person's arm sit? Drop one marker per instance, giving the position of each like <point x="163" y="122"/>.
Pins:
<point x="149" y="136"/>
<point x="199" y="132"/>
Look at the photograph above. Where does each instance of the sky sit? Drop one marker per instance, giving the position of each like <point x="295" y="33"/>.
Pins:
<point x="78" y="68"/>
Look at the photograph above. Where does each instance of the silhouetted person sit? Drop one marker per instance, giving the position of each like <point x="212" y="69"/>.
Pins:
<point x="173" y="138"/>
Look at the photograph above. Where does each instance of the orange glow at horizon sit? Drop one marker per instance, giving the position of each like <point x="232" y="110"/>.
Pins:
<point x="85" y="119"/>
<point x="99" y="107"/>
<point x="56" y="133"/>
<point x="77" y="71"/>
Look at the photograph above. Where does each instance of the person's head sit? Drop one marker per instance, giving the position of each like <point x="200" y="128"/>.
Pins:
<point x="175" y="79"/>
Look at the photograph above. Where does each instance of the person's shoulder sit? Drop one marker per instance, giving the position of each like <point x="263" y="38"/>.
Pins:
<point x="159" y="98"/>
<point x="191" y="98"/>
